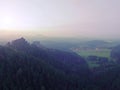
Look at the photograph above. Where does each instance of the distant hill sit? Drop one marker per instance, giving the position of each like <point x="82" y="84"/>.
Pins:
<point x="96" y="43"/>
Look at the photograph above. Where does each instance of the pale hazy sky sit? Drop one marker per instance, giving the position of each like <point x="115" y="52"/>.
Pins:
<point x="82" y="18"/>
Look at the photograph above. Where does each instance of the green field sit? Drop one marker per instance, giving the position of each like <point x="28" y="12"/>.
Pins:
<point x="99" y="53"/>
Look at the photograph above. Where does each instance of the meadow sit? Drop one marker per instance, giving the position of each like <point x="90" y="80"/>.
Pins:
<point x="99" y="53"/>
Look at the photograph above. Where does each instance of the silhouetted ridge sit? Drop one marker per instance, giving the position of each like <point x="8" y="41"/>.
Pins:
<point x="19" y="44"/>
<point x="66" y="61"/>
<point x="38" y="68"/>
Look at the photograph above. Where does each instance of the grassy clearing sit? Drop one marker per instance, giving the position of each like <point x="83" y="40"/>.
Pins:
<point x="99" y="53"/>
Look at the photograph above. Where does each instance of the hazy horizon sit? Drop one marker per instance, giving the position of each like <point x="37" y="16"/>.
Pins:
<point x="96" y="19"/>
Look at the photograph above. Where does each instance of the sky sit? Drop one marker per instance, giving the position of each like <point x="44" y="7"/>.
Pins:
<point x="60" y="18"/>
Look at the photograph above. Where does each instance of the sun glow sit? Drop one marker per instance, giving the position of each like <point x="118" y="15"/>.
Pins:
<point x="7" y="22"/>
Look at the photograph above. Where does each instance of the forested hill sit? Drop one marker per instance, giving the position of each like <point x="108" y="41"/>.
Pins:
<point x="25" y="66"/>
